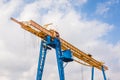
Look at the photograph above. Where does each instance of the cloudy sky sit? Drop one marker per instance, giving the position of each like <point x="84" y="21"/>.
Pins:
<point x="91" y="25"/>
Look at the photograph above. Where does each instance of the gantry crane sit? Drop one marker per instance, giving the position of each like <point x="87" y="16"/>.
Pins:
<point x="64" y="50"/>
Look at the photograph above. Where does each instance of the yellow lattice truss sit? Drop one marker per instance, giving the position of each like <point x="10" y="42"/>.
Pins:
<point x="41" y="32"/>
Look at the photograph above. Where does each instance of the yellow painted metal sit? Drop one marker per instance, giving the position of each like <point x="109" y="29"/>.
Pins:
<point x="41" y="32"/>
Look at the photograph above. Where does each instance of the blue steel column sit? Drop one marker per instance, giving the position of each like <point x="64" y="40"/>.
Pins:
<point x="92" y="76"/>
<point x="41" y="61"/>
<point x="104" y="73"/>
<point x="59" y="60"/>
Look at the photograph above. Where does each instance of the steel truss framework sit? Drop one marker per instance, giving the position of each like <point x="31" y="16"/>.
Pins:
<point x="51" y="39"/>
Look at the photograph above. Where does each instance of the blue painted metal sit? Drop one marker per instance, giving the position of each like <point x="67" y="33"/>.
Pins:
<point x="62" y="56"/>
<point x="54" y="43"/>
<point x="103" y="71"/>
<point x="59" y="60"/>
<point x="67" y="56"/>
<point x="41" y="61"/>
<point x="92" y="76"/>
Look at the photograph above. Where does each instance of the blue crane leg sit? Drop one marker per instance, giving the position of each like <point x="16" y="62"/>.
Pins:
<point x="55" y="43"/>
<point x="92" y="76"/>
<point x="103" y="71"/>
<point x="59" y="60"/>
<point x="41" y="61"/>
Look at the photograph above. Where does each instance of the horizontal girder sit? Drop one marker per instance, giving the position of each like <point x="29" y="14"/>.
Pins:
<point x="41" y="32"/>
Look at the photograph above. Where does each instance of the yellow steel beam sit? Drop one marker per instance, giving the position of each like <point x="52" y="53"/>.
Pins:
<point x="82" y="56"/>
<point x="64" y="44"/>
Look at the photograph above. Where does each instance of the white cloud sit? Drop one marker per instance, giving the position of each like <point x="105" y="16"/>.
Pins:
<point x="78" y="2"/>
<point x="19" y="50"/>
<point x="103" y="8"/>
<point x="8" y="8"/>
<point x="4" y="78"/>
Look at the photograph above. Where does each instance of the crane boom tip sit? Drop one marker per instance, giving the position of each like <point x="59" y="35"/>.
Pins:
<point x="13" y="19"/>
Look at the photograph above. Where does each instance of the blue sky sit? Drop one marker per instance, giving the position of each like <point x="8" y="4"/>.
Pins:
<point x="91" y="25"/>
<point x="110" y="16"/>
